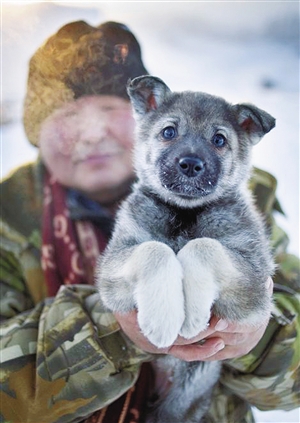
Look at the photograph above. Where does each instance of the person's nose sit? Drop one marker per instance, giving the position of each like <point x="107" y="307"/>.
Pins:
<point x="94" y="132"/>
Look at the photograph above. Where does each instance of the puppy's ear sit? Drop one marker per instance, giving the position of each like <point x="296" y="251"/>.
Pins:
<point x="146" y="93"/>
<point x="255" y="122"/>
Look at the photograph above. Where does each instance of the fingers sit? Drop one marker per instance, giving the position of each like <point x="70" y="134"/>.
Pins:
<point x="238" y="348"/>
<point x="220" y="345"/>
<point x="232" y="338"/>
<point x="239" y="340"/>
<point x="223" y="327"/>
<point x="202" y="335"/>
<point x="183" y="349"/>
<point x="197" y="352"/>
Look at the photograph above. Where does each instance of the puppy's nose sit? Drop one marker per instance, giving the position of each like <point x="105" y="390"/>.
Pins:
<point x="191" y="166"/>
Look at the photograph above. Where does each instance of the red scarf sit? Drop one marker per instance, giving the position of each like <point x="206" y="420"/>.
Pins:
<point x="69" y="252"/>
<point x="70" y="248"/>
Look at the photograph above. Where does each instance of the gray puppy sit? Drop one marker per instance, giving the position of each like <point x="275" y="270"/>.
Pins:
<point x="188" y="241"/>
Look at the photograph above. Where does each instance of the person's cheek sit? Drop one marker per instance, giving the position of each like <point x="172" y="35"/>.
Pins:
<point x="124" y="130"/>
<point x="65" y="134"/>
<point x="56" y="147"/>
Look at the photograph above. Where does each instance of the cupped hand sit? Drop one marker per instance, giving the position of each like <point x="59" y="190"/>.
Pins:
<point x="220" y="341"/>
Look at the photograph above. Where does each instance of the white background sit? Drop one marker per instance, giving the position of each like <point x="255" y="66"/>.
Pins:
<point x="240" y="50"/>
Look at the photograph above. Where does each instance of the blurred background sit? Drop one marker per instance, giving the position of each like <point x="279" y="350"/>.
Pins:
<point x="243" y="51"/>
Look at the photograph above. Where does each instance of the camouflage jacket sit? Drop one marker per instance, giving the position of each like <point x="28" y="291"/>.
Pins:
<point x="63" y="358"/>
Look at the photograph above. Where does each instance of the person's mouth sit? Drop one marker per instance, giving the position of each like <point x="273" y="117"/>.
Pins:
<point x="97" y="158"/>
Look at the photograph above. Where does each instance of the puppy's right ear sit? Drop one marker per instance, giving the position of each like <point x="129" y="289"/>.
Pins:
<point x="146" y="93"/>
<point x="256" y="122"/>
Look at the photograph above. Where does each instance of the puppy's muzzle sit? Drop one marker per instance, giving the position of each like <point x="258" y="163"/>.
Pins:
<point x="191" y="166"/>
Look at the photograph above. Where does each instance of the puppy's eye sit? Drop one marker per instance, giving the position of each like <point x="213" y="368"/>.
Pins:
<point x="219" y="140"/>
<point x="169" y="133"/>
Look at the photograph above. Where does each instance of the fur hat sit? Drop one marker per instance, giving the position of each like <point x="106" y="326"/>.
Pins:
<point x="79" y="60"/>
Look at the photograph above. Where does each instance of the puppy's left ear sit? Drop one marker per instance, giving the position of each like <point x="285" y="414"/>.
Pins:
<point x="255" y="122"/>
<point x="146" y="93"/>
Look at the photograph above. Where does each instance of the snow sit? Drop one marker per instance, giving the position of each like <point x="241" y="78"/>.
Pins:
<point x="240" y="50"/>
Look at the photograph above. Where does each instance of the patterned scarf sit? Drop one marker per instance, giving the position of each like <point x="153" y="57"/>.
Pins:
<point x="70" y="247"/>
<point x="71" y="242"/>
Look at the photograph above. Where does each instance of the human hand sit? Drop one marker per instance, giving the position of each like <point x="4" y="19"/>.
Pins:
<point x="239" y="339"/>
<point x="184" y="349"/>
<point x="221" y="340"/>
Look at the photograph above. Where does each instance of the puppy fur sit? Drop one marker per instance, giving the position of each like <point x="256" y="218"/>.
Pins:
<point x="188" y="241"/>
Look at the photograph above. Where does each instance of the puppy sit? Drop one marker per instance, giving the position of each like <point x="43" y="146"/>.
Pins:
<point x="188" y="241"/>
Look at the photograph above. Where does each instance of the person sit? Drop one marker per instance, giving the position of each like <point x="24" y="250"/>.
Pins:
<point x="64" y="357"/>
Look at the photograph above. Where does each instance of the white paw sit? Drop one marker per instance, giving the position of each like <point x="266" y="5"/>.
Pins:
<point x="199" y="298"/>
<point x="200" y="291"/>
<point x="160" y="301"/>
<point x="196" y="321"/>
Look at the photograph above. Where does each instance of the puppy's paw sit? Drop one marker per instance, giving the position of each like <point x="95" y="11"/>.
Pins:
<point x="160" y="300"/>
<point x="195" y="323"/>
<point x="199" y="299"/>
<point x="161" y="314"/>
<point x="200" y="289"/>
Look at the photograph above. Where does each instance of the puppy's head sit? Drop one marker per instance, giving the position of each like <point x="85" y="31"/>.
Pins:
<point x="192" y="147"/>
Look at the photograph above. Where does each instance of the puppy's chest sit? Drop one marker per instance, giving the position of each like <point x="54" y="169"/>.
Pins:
<point x="182" y="223"/>
<point x="177" y="227"/>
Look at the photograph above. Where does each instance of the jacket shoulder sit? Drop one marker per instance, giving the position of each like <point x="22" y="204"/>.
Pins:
<point x="21" y="198"/>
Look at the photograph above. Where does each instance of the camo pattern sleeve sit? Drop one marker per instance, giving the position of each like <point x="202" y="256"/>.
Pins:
<point x="64" y="359"/>
<point x="21" y="278"/>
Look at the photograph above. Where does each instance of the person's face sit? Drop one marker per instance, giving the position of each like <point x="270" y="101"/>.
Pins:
<point x="87" y="145"/>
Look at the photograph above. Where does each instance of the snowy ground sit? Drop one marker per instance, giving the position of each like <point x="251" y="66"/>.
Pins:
<point x="243" y="51"/>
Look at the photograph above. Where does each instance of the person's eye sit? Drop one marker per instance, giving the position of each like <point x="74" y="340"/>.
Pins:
<point x="219" y="140"/>
<point x="169" y="133"/>
<point x="70" y="114"/>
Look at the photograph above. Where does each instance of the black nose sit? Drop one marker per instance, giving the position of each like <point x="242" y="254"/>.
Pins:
<point x="191" y="166"/>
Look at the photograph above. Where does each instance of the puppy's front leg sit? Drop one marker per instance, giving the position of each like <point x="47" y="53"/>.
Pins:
<point x="152" y="275"/>
<point x="207" y="267"/>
